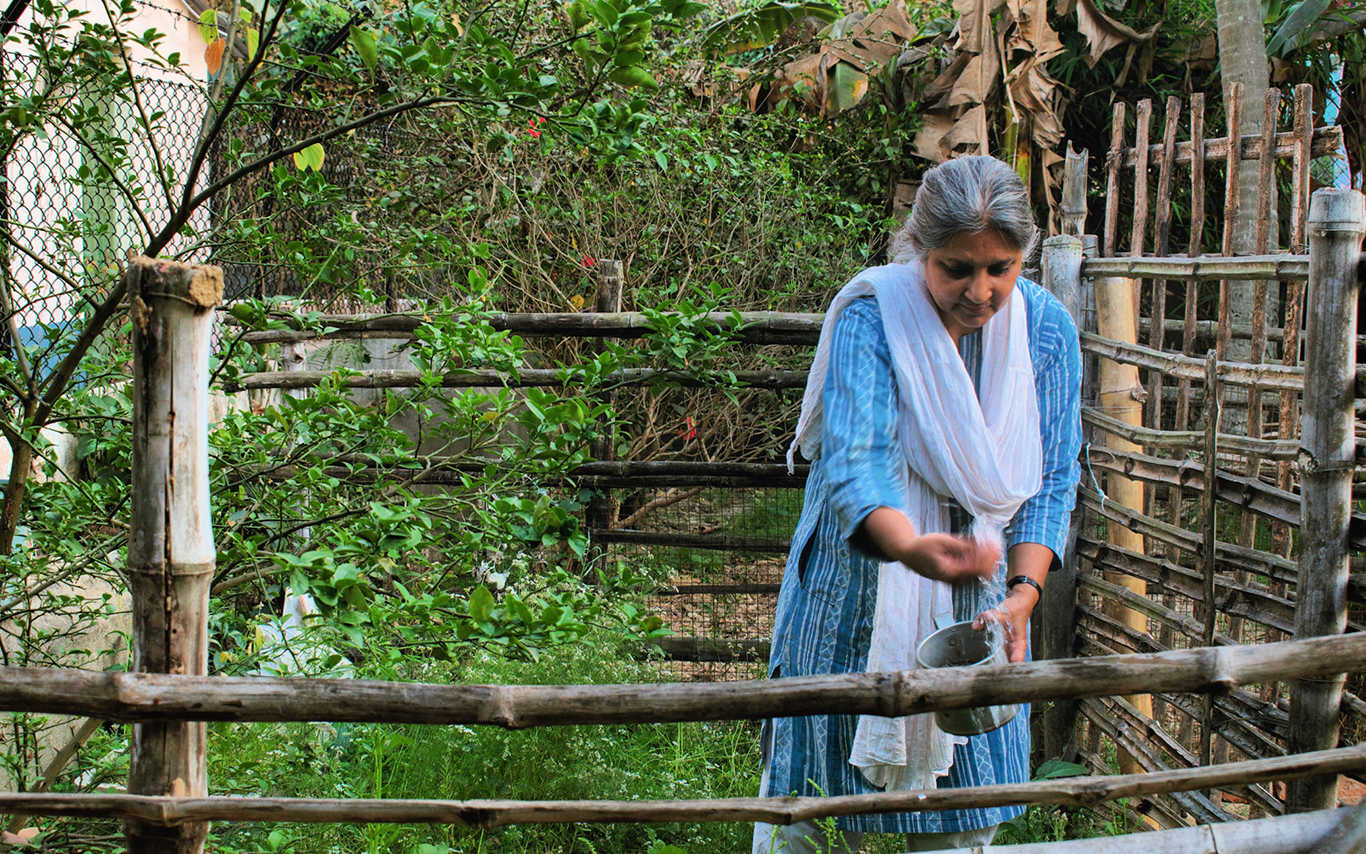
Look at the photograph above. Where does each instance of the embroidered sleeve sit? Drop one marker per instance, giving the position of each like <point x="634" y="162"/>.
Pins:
<point x="864" y="468"/>
<point x="1044" y="518"/>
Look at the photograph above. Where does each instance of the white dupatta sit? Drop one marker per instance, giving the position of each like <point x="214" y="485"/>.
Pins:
<point x="986" y="454"/>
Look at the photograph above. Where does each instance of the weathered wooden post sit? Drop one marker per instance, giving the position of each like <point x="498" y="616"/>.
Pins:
<point x="1337" y="221"/>
<point x="611" y="278"/>
<point x="1074" y="193"/>
<point x="170" y="542"/>
<point x="1055" y="619"/>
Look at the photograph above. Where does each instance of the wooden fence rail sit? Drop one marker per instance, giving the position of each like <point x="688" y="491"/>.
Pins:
<point x="163" y="697"/>
<point x="1190" y="368"/>
<point x="1325" y="143"/>
<point x="525" y="378"/>
<point x="624" y="474"/>
<point x="748" y="327"/>
<point x="1079" y="791"/>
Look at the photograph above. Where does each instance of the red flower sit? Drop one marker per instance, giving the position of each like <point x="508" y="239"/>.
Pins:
<point x="689" y="429"/>
<point x="531" y="126"/>
<point x="588" y="260"/>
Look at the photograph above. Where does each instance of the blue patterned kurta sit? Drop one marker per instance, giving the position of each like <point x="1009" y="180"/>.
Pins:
<point x="824" y="620"/>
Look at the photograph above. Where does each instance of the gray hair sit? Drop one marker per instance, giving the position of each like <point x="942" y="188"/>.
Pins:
<point x="967" y="194"/>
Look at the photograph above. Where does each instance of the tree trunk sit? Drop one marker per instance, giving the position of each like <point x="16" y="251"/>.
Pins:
<point x="1242" y="59"/>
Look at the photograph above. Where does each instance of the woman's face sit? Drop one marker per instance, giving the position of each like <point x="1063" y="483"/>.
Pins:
<point x="970" y="278"/>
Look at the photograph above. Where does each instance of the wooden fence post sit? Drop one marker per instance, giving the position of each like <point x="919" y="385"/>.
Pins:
<point x="1074" y="192"/>
<point x="170" y="540"/>
<point x="1055" y="620"/>
<point x="1337" y="221"/>
<point x="611" y="278"/>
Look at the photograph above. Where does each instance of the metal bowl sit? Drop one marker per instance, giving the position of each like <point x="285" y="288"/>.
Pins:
<point x="960" y="645"/>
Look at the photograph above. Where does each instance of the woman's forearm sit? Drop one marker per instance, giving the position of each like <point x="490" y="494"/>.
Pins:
<point x="889" y="532"/>
<point x="1032" y="560"/>
<point x="942" y="557"/>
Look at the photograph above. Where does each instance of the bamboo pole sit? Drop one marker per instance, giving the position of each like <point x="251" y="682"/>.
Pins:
<point x="1206" y="268"/>
<point x="1249" y="600"/>
<point x="1337" y="222"/>
<point x="1120" y="398"/>
<point x="1074" y="192"/>
<point x="1150" y="759"/>
<point x="1263" y="563"/>
<point x="1076" y="791"/>
<point x="1349" y="836"/>
<point x="1244" y="493"/>
<point x="1289" y="418"/>
<point x="1246" y="601"/>
<point x="721" y="542"/>
<point x="1233" y="117"/>
<point x="170" y="539"/>
<point x="626" y="478"/>
<point x="1157" y="326"/>
<point x="1208" y="328"/>
<point x="1054" y="623"/>
<point x="791" y="328"/>
<point x="1114" y="165"/>
<point x="1191" y="440"/>
<point x="1208" y="520"/>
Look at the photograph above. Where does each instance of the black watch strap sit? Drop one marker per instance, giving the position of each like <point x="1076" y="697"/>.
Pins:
<point x="1024" y="579"/>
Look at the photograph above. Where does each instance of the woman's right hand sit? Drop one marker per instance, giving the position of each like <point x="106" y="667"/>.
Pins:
<point x="949" y="558"/>
<point x="941" y="557"/>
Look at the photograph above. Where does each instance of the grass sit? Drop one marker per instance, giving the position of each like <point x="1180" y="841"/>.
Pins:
<point x="669" y="761"/>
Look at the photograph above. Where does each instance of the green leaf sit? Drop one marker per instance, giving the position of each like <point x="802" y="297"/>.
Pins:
<point x="208" y="26"/>
<point x="364" y="43"/>
<point x="847" y="89"/>
<point x="253" y="41"/>
<point x="309" y="158"/>
<point x="663" y="160"/>
<point x="1056" y="768"/>
<point x="1297" y="27"/>
<point x="633" y="75"/>
<point x="578" y="16"/>
<point x="481" y="604"/>
<point x="761" y="26"/>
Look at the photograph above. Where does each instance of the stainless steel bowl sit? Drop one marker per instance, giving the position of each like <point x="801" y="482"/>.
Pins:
<point x="959" y="645"/>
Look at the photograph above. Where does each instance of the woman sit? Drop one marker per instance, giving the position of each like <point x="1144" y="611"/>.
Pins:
<point x="942" y="419"/>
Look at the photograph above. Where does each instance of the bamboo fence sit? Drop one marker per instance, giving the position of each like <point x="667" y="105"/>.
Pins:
<point x="1244" y="460"/>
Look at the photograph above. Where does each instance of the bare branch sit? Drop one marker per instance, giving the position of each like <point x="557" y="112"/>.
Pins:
<point x="16" y="343"/>
<point x="189" y="202"/>
<point x="142" y="110"/>
<point x="96" y="553"/>
<point x="182" y="216"/>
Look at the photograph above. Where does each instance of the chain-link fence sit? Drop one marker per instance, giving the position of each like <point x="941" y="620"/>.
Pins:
<point x="72" y="223"/>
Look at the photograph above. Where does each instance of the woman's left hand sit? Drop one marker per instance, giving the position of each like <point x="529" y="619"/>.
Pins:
<point x="1013" y="613"/>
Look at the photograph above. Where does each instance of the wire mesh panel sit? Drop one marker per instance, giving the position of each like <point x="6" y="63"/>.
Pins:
<point x="72" y="223"/>
<point x="718" y="602"/>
